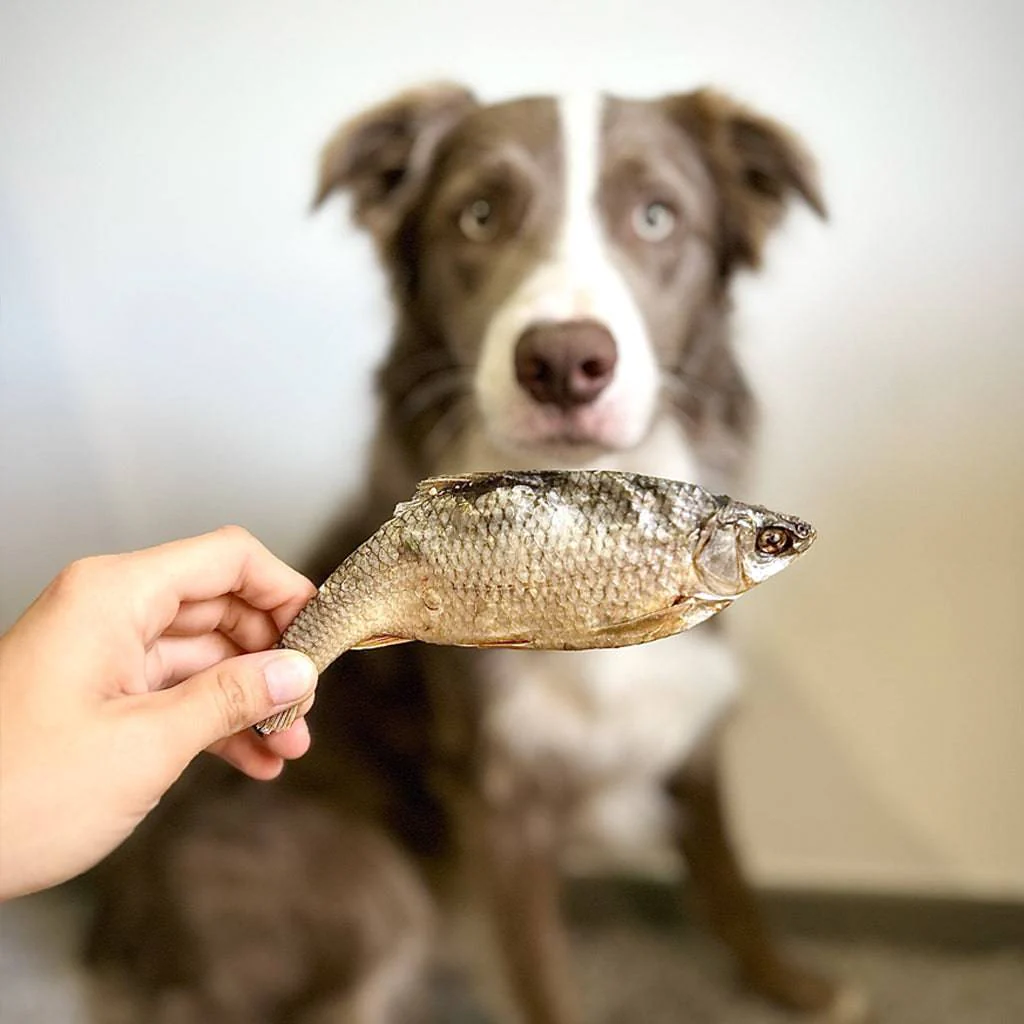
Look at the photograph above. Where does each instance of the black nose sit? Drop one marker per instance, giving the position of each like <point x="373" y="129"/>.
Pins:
<point x="565" y="364"/>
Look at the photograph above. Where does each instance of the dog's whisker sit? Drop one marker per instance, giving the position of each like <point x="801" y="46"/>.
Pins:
<point x="676" y="407"/>
<point x="684" y="384"/>
<point x="421" y="365"/>
<point x="679" y="401"/>
<point x="678" y="394"/>
<point x="427" y="358"/>
<point x="446" y="427"/>
<point x="431" y="388"/>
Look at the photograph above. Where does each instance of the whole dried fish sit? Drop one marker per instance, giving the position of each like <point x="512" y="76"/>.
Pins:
<point x="556" y="560"/>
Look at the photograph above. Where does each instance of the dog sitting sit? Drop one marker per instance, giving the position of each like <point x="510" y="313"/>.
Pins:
<point x="560" y="270"/>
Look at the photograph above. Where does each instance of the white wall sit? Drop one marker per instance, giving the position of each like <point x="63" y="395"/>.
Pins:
<point x="181" y="345"/>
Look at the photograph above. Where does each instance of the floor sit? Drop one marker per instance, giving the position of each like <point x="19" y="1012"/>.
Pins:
<point x="629" y="971"/>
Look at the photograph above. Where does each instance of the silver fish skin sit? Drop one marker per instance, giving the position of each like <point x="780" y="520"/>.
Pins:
<point x="553" y="560"/>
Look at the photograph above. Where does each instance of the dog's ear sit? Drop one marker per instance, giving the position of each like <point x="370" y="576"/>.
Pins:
<point x="757" y="165"/>
<point x="383" y="156"/>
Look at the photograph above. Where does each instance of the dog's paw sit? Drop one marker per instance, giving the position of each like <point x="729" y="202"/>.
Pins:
<point x="817" y="998"/>
<point x="850" y="1005"/>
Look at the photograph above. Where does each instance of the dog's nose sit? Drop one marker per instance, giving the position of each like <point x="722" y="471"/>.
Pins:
<point x="567" y="363"/>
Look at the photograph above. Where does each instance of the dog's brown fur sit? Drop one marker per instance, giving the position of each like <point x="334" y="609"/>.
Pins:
<point x="317" y="897"/>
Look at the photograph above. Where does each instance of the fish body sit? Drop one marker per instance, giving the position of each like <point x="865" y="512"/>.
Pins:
<point x="552" y="560"/>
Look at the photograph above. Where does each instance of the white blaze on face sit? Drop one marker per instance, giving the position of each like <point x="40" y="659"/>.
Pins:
<point x="578" y="281"/>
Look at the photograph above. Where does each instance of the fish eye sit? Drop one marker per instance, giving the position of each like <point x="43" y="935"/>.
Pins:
<point x="478" y="221"/>
<point x="774" y="540"/>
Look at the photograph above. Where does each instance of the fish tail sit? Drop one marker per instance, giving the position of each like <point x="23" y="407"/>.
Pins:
<point x="279" y="722"/>
<point x="333" y="621"/>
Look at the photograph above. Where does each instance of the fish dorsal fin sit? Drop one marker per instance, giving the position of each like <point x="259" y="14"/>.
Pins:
<point x="470" y="484"/>
<point x="432" y="486"/>
<point x="443" y="484"/>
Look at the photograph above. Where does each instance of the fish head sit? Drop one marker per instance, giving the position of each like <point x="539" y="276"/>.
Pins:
<point x="743" y="545"/>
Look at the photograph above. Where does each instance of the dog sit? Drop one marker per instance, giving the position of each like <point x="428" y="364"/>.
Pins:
<point x="560" y="270"/>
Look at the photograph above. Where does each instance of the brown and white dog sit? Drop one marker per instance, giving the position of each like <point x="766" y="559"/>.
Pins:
<point x="560" y="270"/>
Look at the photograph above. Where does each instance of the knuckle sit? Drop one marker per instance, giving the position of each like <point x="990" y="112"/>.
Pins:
<point x="232" y="698"/>
<point x="231" y="618"/>
<point x="236" y="533"/>
<point x="78" y="576"/>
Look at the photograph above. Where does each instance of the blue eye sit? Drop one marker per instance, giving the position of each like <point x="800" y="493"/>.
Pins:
<point x="478" y="221"/>
<point x="653" y="222"/>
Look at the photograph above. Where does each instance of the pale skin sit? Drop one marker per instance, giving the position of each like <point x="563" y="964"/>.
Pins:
<point x="124" y="670"/>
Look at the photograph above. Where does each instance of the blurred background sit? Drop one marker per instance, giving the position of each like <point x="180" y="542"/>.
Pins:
<point x="183" y="345"/>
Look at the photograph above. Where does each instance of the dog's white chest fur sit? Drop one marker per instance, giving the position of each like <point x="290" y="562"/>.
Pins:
<point x="614" y="723"/>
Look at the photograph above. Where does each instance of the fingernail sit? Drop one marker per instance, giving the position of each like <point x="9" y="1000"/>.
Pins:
<point x="290" y="676"/>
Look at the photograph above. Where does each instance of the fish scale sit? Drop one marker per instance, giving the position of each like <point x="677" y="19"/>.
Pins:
<point x="544" y="560"/>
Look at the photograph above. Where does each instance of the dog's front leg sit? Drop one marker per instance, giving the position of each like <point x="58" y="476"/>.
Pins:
<point x="512" y="853"/>
<point x="727" y="901"/>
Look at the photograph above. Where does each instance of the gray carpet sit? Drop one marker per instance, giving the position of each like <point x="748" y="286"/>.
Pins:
<point x="633" y="975"/>
<point x="629" y="972"/>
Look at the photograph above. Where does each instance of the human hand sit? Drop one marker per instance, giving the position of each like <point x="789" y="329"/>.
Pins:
<point x="121" y="672"/>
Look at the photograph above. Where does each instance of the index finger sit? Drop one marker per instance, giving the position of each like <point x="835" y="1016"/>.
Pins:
<point x="229" y="560"/>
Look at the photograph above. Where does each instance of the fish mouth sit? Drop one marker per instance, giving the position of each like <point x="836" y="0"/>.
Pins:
<point x="804" y="538"/>
<point x="805" y="533"/>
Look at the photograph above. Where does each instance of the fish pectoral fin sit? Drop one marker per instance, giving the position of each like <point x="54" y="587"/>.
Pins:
<point x="695" y="610"/>
<point x="663" y="622"/>
<point x="650" y="626"/>
<point x="380" y="640"/>
<point x="506" y="642"/>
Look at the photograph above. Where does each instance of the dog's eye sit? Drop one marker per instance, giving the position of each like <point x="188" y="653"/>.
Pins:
<point x="653" y="222"/>
<point x="479" y="221"/>
<point x="774" y="540"/>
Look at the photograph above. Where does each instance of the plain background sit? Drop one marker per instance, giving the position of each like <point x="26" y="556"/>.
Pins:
<point x="182" y="345"/>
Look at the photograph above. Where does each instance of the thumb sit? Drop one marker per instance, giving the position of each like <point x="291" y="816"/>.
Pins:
<point x="235" y="694"/>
